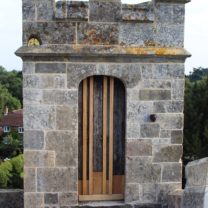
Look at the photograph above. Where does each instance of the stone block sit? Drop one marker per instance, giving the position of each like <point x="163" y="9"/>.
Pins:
<point x="137" y="34"/>
<point x="104" y="11"/>
<point x="45" y="10"/>
<point x="167" y="153"/>
<point x="29" y="180"/>
<point x="142" y="12"/>
<point x="66" y="118"/>
<point x="78" y="72"/>
<point x="149" y="192"/>
<point x="178" y="88"/>
<point x="60" y="97"/>
<point x="165" y="133"/>
<point x="197" y="173"/>
<point x="61" y="8"/>
<point x="65" y="145"/>
<point x="138" y="147"/>
<point x="177" y="137"/>
<point x="150" y="130"/>
<point x="56" y="179"/>
<point x="33" y="140"/>
<point x="129" y="74"/>
<point x="138" y="111"/>
<point x="32" y="96"/>
<point x="28" y="68"/>
<point x="39" y="117"/>
<point x="147" y="94"/>
<point x="43" y="29"/>
<point x="175" y="199"/>
<point x="30" y="81"/>
<point x="163" y="71"/>
<point x="51" y="198"/>
<point x="170" y="35"/>
<point x="141" y="170"/>
<point x="132" y="192"/>
<point x="39" y="158"/>
<point x="28" y="10"/>
<point x="161" y="141"/>
<point x="172" y="13"/>
<point x="97" y="33"/>
<point x="133" y="130"/>
<point x="77" y="10"/>
<point x="159" y="84"/>
<point x="33" y="200"/>
<point x="50" y="68"/>
<point x="172" y="172"/>
<point x="164" y="189"/>
<point x="170" y="121"/>
<point x="66" y="199"/>
<point x="168" y="107"/>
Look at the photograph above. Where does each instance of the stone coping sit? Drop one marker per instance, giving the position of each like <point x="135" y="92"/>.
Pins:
<point x="104" y="51"/>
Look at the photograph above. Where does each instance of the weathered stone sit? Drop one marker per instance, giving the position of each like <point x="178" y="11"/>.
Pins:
<point x="77" y="72"/>
<point x="163" y="71"/>
<point x="133" y="130"/>
<point x="172" y="172"/>
<point x="161" y="141"/>
<point x="141" y="170"/>
<point x="43" y="29"/>
<point x="170" y="121"/>
<point x="66" y="199"/>
<point x="137" y="34"/>
<point x="28" y="68"/>
<point x="31" y="81"/>
<point x="155" y="95"/>
<point x="178" y="88"/>
<point x="168" y="107"/>
<point x="164" y="189"/>
<point x="133" y="192"/>
<point x="33" y="140"/>
<point x="175" y="199"/>
<point x="32" y="96"/>
<point x="66" y="118"/>
<point x="98" y="34"/>
<point x="61" y="9"/>
<point x="50" y="68"/>
<point x="39" y="158"/>
<point x="150" y="130"/>
<point x="50" y="198"/>
<point x="140" y="147"/>
<point x="56" y="179"/>
<point x="151" y="83"/>
<point x="171" y="14"/>
<point x="29" y="180"/>
<point x="65" y="146"/>
<point x="148" y="192"/>
<point x="33" y="200"/>
<point x="28" y="10"/>
<point x="60" y="97"/>
<point x="104" y="11"/>
<point x="165" y="133"/>
<point x="51" y="81"/>
<point x="167" y="153"/>
<point x="45" y="10"/>
<point x="177" y="137"/>
<point x="39" y="117"/>
<point x="77" y="10"/>
<point x="138" y="12"/>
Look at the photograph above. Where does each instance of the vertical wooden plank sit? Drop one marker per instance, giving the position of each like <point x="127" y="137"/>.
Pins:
<point x="105" y="106"/>
<point x="110" y="190"/>
<point x="84" y="160"/>
<point x="91" y="106"/>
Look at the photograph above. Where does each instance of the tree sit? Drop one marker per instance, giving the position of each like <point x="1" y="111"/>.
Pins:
<point x="6" y="99"/>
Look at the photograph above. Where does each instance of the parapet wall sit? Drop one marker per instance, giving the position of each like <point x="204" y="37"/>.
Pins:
<point x="99" y="22"/>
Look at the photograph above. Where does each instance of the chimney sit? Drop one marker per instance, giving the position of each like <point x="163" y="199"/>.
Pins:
<point x="6" y="110"/>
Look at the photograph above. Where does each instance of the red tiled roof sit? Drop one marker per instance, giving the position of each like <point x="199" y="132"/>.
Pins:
<point x="13" y="119"/>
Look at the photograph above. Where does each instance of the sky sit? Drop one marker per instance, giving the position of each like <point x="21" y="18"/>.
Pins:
<point x="196" y="33"/>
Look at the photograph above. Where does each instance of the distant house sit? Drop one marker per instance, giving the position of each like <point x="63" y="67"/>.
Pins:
<point x="12" y="121"/>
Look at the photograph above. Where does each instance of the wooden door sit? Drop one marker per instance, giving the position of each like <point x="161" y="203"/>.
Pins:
<point x="101" y="139"/>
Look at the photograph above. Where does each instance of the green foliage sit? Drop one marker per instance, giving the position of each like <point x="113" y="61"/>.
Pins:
<point x="11" y="173"/>
<point x="6" y="99"/>
<point x="12" y="81"/>
<point x="196" y="117"/>
<point x="198" y="74"/>
<point x="11" y="145"/>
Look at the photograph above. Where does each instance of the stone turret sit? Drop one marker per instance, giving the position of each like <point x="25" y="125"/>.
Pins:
<point x="141" y="45"/>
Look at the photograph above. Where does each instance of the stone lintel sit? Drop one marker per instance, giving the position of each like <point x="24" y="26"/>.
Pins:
<point x="101" y="51"/>
<point x="173" y="1"/>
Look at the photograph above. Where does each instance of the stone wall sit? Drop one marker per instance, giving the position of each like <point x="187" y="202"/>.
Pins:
<point x="142" y="45"/>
